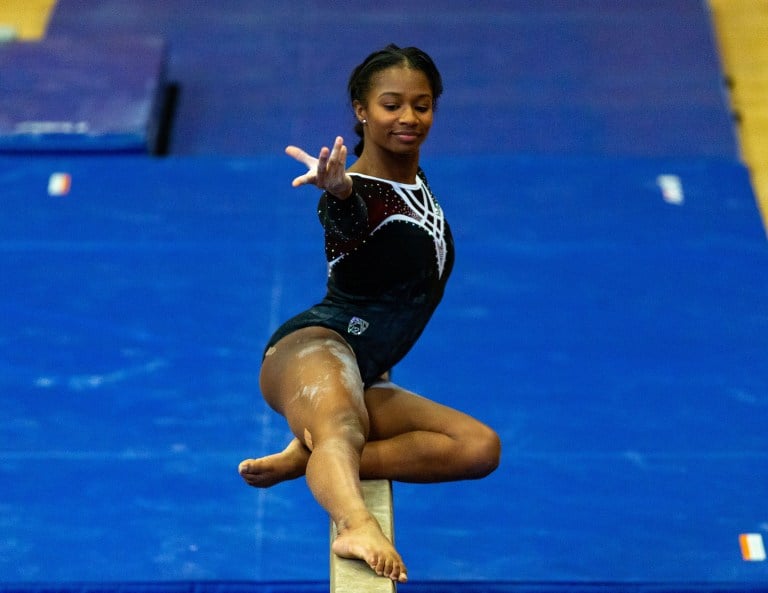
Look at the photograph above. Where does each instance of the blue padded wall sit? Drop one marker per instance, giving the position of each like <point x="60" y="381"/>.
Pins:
<point x="597" y="77"/>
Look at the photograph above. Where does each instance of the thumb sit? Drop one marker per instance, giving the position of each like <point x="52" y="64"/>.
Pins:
<point x="301" y="156"/>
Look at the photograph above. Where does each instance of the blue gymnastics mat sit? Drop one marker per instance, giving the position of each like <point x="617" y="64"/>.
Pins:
<point x="82" y="95"/>
<point x="551" y="76"/>
<point x="614" y="337"/>
<point x="432" y="587"/>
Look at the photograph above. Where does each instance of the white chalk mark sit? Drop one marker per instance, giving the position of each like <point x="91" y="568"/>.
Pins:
<point x="671" y="189"/>
<point x="95" y="381"/>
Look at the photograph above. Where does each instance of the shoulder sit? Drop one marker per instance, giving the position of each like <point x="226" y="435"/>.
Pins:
<point x="368" y="182"/>
<point x="371" y="188"/>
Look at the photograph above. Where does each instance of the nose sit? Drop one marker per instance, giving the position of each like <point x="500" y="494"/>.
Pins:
<point x="408" y="115"/>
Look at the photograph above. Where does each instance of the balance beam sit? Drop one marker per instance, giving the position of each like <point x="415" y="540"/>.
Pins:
<point x="355" y="576"/>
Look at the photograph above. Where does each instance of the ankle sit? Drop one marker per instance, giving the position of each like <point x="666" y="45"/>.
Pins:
<point x="355" y="520"/>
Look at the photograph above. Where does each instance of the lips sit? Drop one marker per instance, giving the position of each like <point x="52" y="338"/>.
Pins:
<point x="406" y="136"/>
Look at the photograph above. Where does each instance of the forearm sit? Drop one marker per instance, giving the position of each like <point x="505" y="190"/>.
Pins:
<point x="347" y="218"/>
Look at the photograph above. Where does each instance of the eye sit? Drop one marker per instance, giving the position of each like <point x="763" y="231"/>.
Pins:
<point x="423" y="108"/>
<point x="391" y="106"/>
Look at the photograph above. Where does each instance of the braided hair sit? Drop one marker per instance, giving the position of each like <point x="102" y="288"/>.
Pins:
<point x="360" y="81"/>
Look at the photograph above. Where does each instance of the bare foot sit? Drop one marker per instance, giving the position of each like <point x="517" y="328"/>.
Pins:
<point x="267" y="471"/>
<point x="367" y="542"/>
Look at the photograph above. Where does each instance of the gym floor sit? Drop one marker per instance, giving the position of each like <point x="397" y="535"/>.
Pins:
<point x="612" y="330"/>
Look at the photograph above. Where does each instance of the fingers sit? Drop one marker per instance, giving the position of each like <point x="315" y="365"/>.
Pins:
<point x="327" y="171"/>
<point x="331" y="163"/>
<point x="300" y="155"/>
<point x="322" y="167"/>
<point x="339" y="151"/>
<point x="335" y="179"/>
<point x="304" y="179"/>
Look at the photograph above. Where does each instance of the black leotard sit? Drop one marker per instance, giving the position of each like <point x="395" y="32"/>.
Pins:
<point x="390" y="252"/>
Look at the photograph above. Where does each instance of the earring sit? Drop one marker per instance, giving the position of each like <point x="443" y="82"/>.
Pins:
<point x="363" y="121"/>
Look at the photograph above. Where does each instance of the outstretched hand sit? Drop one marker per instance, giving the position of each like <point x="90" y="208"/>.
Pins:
<point x="327" y="172"/>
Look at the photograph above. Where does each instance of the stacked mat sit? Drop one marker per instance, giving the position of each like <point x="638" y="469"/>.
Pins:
<point x="76" y="95"/>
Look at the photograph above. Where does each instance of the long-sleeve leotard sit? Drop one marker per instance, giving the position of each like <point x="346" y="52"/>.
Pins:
<point x="390" y="253"/>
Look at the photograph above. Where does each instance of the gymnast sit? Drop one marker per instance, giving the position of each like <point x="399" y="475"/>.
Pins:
<point x="390" y="252"/>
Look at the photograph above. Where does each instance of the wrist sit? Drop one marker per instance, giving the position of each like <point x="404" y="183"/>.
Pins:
<point x="343" y="192"/>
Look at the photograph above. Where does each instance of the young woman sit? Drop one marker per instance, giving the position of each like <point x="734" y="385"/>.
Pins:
<point x="390" y="252"/>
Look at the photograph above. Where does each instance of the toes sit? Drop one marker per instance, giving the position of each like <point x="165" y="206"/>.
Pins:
<point x="389" y="567"/>
<point x="379" y="565"/>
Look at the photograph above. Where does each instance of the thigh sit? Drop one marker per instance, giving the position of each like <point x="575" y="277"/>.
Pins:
<point x="393" y="410"/>
<point x="311" y="377"/>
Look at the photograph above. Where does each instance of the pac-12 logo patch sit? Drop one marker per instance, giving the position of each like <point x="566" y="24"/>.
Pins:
<point x="357" y="326"/>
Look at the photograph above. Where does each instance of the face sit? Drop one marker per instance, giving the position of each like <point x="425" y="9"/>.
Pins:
<point x="398" y="110"/>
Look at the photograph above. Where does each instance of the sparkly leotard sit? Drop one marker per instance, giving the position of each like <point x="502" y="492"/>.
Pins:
<point x="390" y="252"/>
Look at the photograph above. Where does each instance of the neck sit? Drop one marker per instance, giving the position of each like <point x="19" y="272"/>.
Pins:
<point x="401" y="168"/>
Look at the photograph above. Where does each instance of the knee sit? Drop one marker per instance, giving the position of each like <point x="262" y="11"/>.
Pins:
<point x="482" y="452"/>
<point x="346" y="427"/>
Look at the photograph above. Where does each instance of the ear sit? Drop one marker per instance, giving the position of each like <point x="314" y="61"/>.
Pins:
<point x="360" y="111"/>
